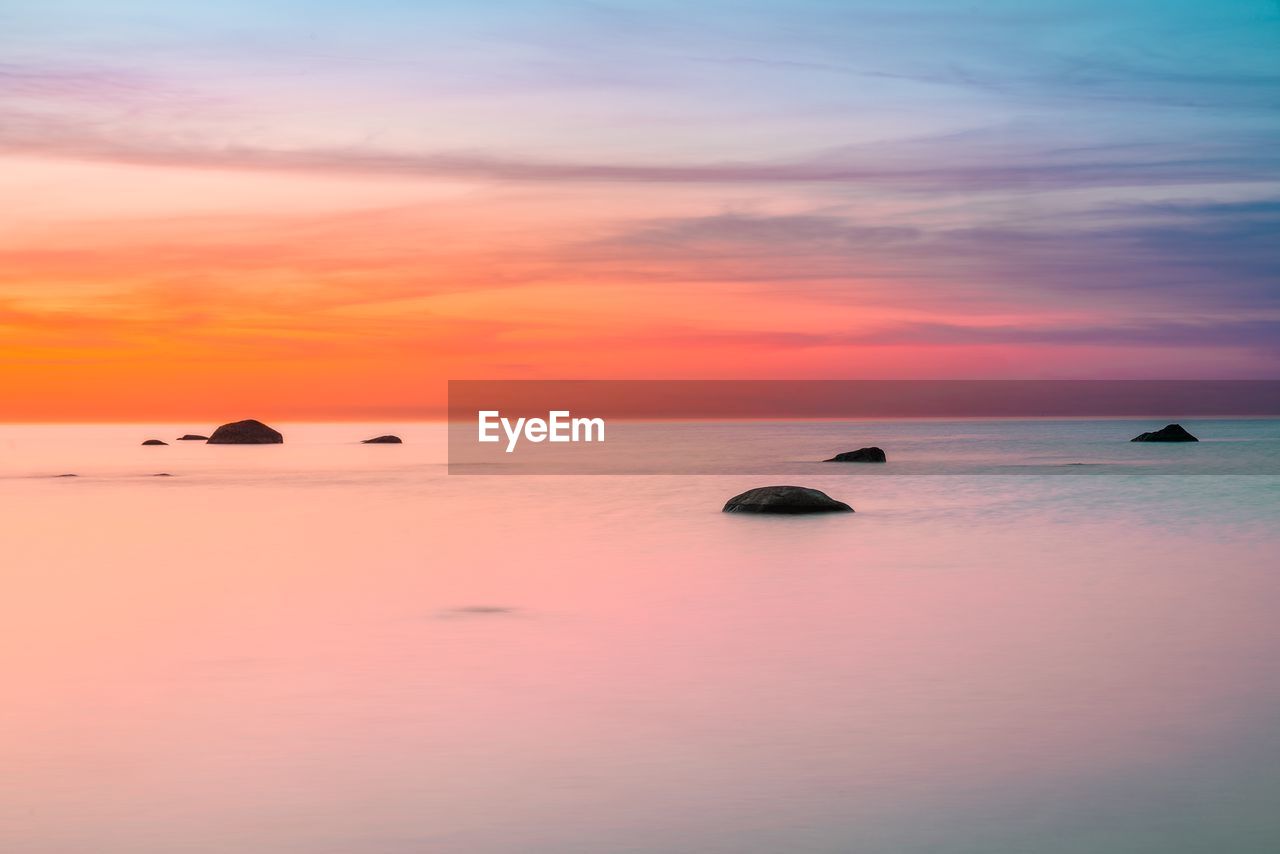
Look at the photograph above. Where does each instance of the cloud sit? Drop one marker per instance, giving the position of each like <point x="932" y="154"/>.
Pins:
<point x="59" y="83"/>
<point x="1191" y="335"/>
<point x="32" y="135"/>
<point x="1246" y="334"/>
<point x="148" y="127"/>
<point x="1171" y="256"/>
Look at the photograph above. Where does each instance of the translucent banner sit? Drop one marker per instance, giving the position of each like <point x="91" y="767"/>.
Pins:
<point x="864" y="427"/>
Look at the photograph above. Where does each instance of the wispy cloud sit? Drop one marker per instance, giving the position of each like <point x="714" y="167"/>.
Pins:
<point x="1182" y="256"/>
<point x="36" y="134"/>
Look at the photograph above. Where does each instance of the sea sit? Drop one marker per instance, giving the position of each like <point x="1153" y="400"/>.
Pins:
<point x="328" y="647"/>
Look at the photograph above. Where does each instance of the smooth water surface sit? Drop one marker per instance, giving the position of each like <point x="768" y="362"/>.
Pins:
<point x="326" y="647"/>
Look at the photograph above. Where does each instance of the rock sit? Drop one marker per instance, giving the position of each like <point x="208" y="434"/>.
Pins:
<point x="162" y="474"/>
<point x="382" y="440"/>
<point x="192" y="437"/>
<point x="476" y="611"/>
<point x="785" y="499"/>
<point x="1170" y="433"/>
<point x="66" y="475"/>
<point x="247" y="432"/>
<point x="154" y="442"/>
<point x="862" y="455"/>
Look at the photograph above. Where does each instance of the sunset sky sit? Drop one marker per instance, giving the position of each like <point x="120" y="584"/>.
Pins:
<point x="318" y="209"/>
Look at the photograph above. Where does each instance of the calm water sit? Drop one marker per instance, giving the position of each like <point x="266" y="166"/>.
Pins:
<point x="327" y="648"/>
<point x="924" y="446"/>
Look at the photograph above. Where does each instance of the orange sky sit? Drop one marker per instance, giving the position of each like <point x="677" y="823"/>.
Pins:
<point x="135" y="292"/>
<point x="203" y="225"/>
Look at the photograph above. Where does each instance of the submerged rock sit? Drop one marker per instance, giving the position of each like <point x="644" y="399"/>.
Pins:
<point x="248" y="432"/>
<point x="476" y="611"/>
<point x="790" y="500"/>
<point x="192" y="437"/>
<point x="154" y="442"/>
<point x="162" y="474"/>
<point x="862" y="455"/>
<point x="382" y="440"/>
<point x="1169" y="433"/>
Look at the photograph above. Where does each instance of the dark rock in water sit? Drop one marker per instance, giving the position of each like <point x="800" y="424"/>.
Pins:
<point x="154" y="442"/>
<point x="1170" y="433"/>
<point x="162" y="474"/>
<point x="247" y="432"/>
<point x="862" y="455"/>
<point x="785" y="499"/>
<point x="382" y="440"/>
<point x="66" y="475"/>
<point x="476" y="611"/>
<point x="192" y="437"/>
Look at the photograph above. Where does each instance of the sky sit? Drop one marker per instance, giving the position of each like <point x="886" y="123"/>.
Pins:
<point x="328" y="209"/>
